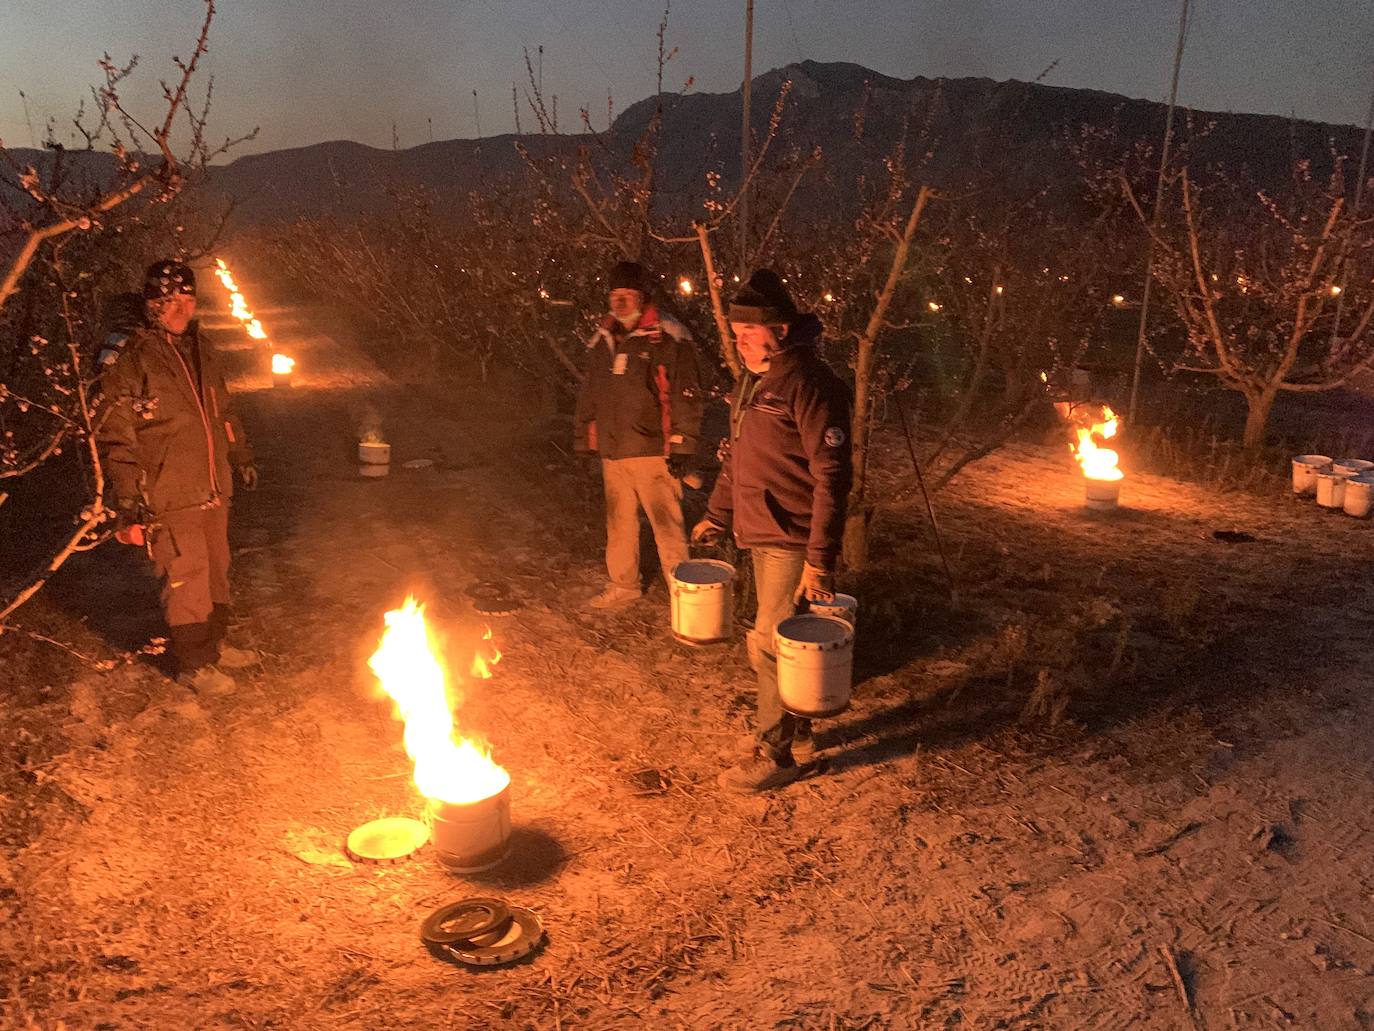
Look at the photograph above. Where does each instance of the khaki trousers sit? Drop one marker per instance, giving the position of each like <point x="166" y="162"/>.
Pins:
<point x="777" y="572"/>
<point x="632" y="484"/>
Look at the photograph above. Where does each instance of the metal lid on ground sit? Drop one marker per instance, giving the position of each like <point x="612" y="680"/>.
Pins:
<point x="391" y="839"/>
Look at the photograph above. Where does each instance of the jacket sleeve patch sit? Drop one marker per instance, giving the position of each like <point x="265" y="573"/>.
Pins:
<point x="834" y="436"/>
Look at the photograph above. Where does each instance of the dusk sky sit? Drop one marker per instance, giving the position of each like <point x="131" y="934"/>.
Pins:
<point x="313" y="70"/>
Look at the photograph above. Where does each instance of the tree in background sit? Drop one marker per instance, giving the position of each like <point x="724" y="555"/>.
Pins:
<point x="1274" y="288"/>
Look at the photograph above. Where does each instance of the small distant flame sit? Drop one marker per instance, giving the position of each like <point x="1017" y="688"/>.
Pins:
<point x="448" y="767"/>
<point x="483" y="663"/>
<point x="684" y="286"/>
<point x="238" y="304"/>
<point x="1092" y="423"/>
<point x="282" y="365"/>
<point x="255" y="329"/>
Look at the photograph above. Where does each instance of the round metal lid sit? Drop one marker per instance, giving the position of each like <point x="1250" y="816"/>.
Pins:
<point x="467" y="922"/>
<point x="524" y="935"/>
<point x="388" y="840"/>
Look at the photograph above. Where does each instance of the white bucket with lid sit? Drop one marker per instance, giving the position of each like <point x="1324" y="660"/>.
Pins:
<point x="1359" y="496"/>
<point x="703" y="601"/>
<point x="374" y="454"/>
<point x="842" y="606"/>
<point x="1353" y="466"/>
<point x="815" y="664"/>
<point x="1305" y="469"/>
<point x="1331" y="488"/>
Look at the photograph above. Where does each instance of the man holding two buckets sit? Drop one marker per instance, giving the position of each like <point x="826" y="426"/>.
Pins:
<point x="783" y="489"/>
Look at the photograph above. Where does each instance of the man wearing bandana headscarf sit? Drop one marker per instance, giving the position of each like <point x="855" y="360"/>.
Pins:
<point x="170" y="441"/>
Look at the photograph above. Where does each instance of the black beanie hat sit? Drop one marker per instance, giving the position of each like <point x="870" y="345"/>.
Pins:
<point x="167" y="279"/>
<point x="763" y="301"/>
<point x="630" y="275"/>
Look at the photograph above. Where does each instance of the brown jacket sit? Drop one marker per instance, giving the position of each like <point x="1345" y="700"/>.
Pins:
<point x="786" y="476"/>
<point x="170" y="437"/>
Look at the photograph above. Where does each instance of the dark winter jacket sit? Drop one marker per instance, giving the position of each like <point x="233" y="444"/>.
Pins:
<point x="786" y="476"/>
<point x="170" y="437"/>
<point x="641" y="395"/>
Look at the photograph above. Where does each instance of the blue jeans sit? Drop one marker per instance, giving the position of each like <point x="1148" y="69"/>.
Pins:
<point x="777" y="572"/>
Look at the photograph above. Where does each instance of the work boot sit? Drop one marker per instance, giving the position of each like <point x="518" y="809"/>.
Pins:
<point x="614" y="597"/>
<point x="803" y="746"/>
<point x="237" y="658"/>
<point x="208" y="682"/>
<point x="759" y="773"/>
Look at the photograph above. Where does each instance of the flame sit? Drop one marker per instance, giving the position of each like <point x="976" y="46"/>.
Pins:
<point x="1092" y="423"/>
<point x="255" y="330"/>
<point x="482" y="664"/>
<point x="449" y="768"/>
<point x="238" y="304"/>
<point x="282" y="365"/>
<point x="238" y="307"/>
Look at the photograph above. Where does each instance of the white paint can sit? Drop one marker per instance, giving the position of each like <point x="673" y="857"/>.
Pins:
<point x="1359" y="496"/>
<point x="374" y="454"/>
<point x="1353" y="466"/>
<point x="1305" y="469"/>
<point x="1331" y="488"/>
<point x="470" y="837"/>
<point x="815" y="664"/>
<point x="1101" y="494"/>
<point x="842" y="606"/>
<point x="703" y="601"/>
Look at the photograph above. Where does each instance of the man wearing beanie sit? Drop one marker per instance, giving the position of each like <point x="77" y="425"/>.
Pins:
<point x="640" y="410"/>
<point x="169" y="439"/>
<point x="782" y="489"/>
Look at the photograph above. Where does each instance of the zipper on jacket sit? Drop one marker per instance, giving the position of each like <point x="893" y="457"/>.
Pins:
<point x="204" y="418"/>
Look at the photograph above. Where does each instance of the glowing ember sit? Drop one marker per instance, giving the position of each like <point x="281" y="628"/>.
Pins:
<point x="282" y="365"/>
<point x="1092" y="423"/>
<point x="448" y="768"/>
<point x="482" y="664"/>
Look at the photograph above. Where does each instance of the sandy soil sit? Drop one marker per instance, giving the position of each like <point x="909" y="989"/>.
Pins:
<point x="1124" y="782"/>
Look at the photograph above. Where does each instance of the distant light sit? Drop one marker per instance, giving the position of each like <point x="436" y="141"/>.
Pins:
<point x="934" y="306"/>
<point x="1335" y="290"/>
<point x="684" y="287"/>
<point x="997" y="290"/>
<point x="1118" y="300"/>
<point x="543" y="294"/>
<point x="1063" y="279"/>
<point x="828" y="297"/>
<point x="735" y="278"/>
<point x="1044" y="377"/>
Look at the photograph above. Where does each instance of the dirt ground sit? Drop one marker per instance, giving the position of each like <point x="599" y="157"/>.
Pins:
<point x="1123" y="783"/>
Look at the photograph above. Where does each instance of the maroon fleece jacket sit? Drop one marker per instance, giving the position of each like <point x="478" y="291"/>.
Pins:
<point x="786" y="477"/>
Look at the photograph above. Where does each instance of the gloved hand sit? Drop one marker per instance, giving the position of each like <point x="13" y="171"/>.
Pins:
<point x="680" y="465"/>
<point x="816" y="584"/>
<point x="248" y="473"/>
<point x="707" y="532"/>
<point x="128" y="530"/>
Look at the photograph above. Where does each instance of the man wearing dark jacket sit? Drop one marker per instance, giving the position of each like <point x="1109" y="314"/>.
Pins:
<point x="783" y="489"/>
<point x="640" y="410"/>
<point x="169" y="439"/>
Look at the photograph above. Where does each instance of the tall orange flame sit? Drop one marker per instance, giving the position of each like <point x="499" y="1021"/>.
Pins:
<point x="448" y="767"/>
<point x="1092" y="423"/>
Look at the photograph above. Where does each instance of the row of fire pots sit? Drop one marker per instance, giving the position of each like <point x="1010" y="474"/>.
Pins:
<point x="1344" y="483"/>
<point x="814" y="649"/>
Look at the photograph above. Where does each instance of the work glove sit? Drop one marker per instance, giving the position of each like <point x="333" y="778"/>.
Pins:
<point x="248" y="473"/>
<point x="816" y="584"/>
<point x="707" y="532"/>
<point x="128" y="530"/>
<point x="680" y="465"/>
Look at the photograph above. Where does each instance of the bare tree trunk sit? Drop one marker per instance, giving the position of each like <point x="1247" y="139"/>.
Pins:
<point x="727" y="342"/>
<point x="857" y="521"/>
<point x="1258" y="407"/>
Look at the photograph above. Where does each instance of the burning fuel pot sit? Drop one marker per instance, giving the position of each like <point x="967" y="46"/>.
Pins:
<point x="469" y="837"/>
<point x="1101" y="495"/>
